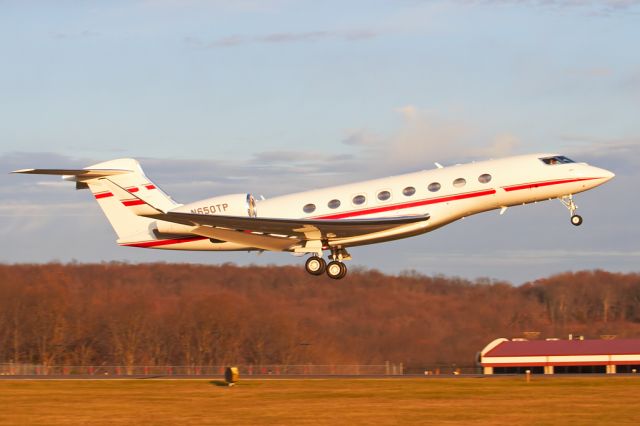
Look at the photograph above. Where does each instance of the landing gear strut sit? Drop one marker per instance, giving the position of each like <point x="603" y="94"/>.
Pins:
<point x="336" y="269"/>
<point x="567" y="200"/>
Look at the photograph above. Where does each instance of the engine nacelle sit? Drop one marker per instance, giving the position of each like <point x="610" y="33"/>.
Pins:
<point x="224" y="205"/>
<point x="170" y="228"/>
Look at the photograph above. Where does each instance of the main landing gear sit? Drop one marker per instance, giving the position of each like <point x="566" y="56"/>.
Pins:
<point x="315" y="265"/>
<point x="335" y="269"/>
<point x="567" y="200"/>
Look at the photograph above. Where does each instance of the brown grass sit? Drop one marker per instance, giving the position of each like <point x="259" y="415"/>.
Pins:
<point x="486" y="401"/>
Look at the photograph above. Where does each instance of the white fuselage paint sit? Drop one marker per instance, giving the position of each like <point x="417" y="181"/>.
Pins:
<point x="514" y="181"/>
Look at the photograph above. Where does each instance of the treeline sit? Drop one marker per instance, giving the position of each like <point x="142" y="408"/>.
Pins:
<point x="183" y="314"/>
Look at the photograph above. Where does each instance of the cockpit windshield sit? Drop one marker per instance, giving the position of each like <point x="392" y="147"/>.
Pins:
<point x="558" y="159"/>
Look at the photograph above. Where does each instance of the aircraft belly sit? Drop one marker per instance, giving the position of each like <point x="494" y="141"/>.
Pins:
<point x="381" y="236"/>
<point x="203" y="244"/>
<point x="377" y="240"/>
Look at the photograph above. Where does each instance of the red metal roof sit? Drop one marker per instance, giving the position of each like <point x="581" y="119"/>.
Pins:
<point x="566" y="347"/>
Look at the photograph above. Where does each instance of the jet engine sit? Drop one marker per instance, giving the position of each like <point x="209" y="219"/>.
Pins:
<point x="224" y="205"/>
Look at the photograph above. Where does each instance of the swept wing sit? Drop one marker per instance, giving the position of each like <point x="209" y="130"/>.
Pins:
<point x="287" y="234"/>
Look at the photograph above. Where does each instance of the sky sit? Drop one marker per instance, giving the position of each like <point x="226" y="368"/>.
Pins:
<point x="275" y="96"/>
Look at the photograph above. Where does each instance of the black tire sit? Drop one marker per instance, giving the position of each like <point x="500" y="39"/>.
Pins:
<point x="576" y="220"/>
<point x="315" y="265"/>
<point x="336" y="270"/>
<point x="344" y="271"/>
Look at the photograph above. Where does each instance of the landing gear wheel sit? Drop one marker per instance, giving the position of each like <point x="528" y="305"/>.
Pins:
<point x="315" y="265"/>
<point x="344" y="271"/>
<point x="576" y="220"/>
<point x="336" y="270"/>
<point x="567" y="200"/>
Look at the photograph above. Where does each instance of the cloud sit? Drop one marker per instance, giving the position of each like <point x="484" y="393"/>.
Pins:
<point x="592" y="72"/>
<point x="503" y="145"/>
<point x="594" y="7"/>
<point x="75" y="35"/>
<point x="284" y="38"/>
<point x="239" y="6"/>
<point x="426" y="136"/>
<point x="362" y="138"/>
<point x="270" y="172"/>
<point x="423" y="137"/>
<point x="282" y="156"/>
<point x="36" y="215"/>
<point x="53" y="184"/>
<point x="631" y="84"/>
<point x="33" y="209"/>
<point x="621" y="155"/>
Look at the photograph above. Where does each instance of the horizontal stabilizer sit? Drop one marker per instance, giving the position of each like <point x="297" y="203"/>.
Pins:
<point x="85" y="173"/>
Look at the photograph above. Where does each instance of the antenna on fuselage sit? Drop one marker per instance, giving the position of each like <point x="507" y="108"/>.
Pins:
<point x="438" y="165"/>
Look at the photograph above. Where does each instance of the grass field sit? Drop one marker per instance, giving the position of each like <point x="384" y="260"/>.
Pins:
<point x="486" y="401"/>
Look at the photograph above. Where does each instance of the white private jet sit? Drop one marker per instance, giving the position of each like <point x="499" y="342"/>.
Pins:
<point x="331" y="219"/>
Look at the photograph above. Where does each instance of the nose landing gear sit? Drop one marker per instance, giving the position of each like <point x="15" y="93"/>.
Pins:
<point x="576" y="220"/>
<point x="567" y="200"/>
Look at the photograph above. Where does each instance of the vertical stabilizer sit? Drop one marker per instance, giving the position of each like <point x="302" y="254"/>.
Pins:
<point x="116" y="195"/>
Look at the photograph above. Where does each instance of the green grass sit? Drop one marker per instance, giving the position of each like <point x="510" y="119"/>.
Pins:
<point x="486" y="401"/>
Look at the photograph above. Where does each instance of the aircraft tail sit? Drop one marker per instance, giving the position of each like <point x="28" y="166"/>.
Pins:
<point x="124" y="194"/>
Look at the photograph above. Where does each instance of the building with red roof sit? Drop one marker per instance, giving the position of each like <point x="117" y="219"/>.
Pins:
<point x="553" y="356"/>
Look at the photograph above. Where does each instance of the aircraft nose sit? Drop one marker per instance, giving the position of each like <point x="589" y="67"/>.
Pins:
<point x="608" y="175"/>
<point x="604" y="174"/>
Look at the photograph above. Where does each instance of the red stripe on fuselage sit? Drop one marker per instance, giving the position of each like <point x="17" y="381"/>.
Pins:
<point x="408" y="205"/>
<point x="156" y="243"/>
<point x="543" y="183"/>
<point x="150" y="187"/>
<point x="133" y="189"/>
<point x="456" y="197"/>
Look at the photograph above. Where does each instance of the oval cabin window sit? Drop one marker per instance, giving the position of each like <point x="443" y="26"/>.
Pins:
<point x="333" y="204"/>
<point x="409" y="191"/>
<point x="459" y="182"/>
<point x="384" y="195"/>
<point x="434" y="187"/>
<point x="359" y="199"/>
<point x="309" y="208"/>
<point x="485" y="178"/>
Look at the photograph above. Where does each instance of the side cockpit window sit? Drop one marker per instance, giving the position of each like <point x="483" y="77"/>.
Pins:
<point x="557" y="159"/>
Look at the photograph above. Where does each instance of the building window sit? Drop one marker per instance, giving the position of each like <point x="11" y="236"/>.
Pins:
<point x="359" y="199"/>
<point x="333" y="204"/>
<point x="384" y="195"/>
<point x="309" y="208"/>
<point x="434" y="187"/>
<point x="460" y="182"/>
<point x="409" y="191"/>
<point x="485" y="178"/>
